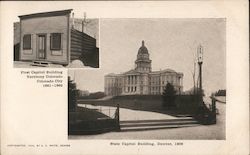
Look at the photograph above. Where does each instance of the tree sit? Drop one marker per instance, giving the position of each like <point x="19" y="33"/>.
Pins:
<point x="72" y="95"/>
<point x="169" y="95"/>
<point x="221" y="92"/>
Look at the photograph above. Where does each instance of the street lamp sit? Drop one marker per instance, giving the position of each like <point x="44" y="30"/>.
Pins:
<point x="200" y="61"/>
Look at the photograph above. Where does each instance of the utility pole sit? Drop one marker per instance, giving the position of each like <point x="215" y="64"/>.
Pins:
<point x="200" y="61"/>
<point x="194" y="91"/>
<point x="84" y="22"/>
<point x="74" y="76"/>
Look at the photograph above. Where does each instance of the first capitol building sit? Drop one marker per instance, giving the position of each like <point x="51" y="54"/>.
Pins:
<point x="142" y="80"/>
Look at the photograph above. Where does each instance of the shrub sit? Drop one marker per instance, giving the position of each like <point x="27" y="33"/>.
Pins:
<point x="169" y="96"/>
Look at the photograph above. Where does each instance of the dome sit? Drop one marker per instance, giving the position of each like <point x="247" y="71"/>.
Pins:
<point x="143" y="63"/>
<point x="143" y="49"/>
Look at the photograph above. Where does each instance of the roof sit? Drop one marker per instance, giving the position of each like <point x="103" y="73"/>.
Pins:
<point x="143" y="49"/>
<point x="168" y="70"/>
<point x="46" y="14"/>
<point x="112" y="75"/>
<point x="132" y="71"/>
<point x="165" y="71"/>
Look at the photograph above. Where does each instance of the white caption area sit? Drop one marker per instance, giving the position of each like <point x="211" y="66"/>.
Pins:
<point x="35" y="114"/>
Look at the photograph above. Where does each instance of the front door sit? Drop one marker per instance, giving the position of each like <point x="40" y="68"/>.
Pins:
<point x="41" y="46"/>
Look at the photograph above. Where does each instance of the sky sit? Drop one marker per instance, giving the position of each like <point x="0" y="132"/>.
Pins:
<point x="172" y="43"/>
<point x="91" y="27"/>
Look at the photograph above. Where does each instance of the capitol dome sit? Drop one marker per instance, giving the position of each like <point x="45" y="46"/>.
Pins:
<point x="143" y="52"/>
<point x="143" y="63"/>
<point x="143" y="49"/>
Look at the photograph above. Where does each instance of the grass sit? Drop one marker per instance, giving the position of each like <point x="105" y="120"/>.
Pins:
<point x="87" y="121"/>
<point x="85" y="114"/>
<point x="151" y="103"/>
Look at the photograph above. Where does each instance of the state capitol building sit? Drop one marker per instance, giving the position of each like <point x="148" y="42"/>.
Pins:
<point x="142" y="80"/>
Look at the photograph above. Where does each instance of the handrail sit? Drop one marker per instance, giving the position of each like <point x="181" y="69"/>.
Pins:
<point x="217" y="100"/>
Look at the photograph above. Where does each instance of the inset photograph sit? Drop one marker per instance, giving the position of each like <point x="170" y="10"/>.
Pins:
<point x="160" y="79"/>
<point x="56" y="39"/>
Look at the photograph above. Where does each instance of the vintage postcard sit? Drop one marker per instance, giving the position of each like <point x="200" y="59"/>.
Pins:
<point x="128" y="77"/>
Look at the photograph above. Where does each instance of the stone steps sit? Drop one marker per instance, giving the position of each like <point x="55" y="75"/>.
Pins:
<point x="141" y="125"/>
<point x="40" y="63"/>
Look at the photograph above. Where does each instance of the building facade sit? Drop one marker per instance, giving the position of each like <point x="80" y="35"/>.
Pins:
<point x="51" y="37"/>
<point x="142" y="80"/>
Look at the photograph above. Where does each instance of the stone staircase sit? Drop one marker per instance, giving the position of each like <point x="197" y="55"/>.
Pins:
<point x="141" y="125"/>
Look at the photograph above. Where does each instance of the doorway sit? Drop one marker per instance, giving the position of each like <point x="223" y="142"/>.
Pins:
<point x="41" y="44"/>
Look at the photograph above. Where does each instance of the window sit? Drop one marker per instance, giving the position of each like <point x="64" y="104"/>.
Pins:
<point x="27" y="42"/>
<point x="55" y="41"/>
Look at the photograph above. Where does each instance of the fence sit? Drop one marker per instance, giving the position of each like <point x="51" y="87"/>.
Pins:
<point x="106" y="119"/>
<point x="83" y="47"/>
<point x="110" y="112"/>
<point x="207" y="115"/>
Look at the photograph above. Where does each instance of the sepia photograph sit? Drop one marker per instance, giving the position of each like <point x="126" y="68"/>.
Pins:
<point x="124" y="77"/>
<point x="56" y="39"/>
<point x="161" y="78"/>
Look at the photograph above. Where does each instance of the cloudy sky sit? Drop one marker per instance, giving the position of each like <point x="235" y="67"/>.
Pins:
<point x="172" y="43"/>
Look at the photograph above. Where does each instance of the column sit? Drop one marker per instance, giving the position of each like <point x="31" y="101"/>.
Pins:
<point x="132" y="81"/>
